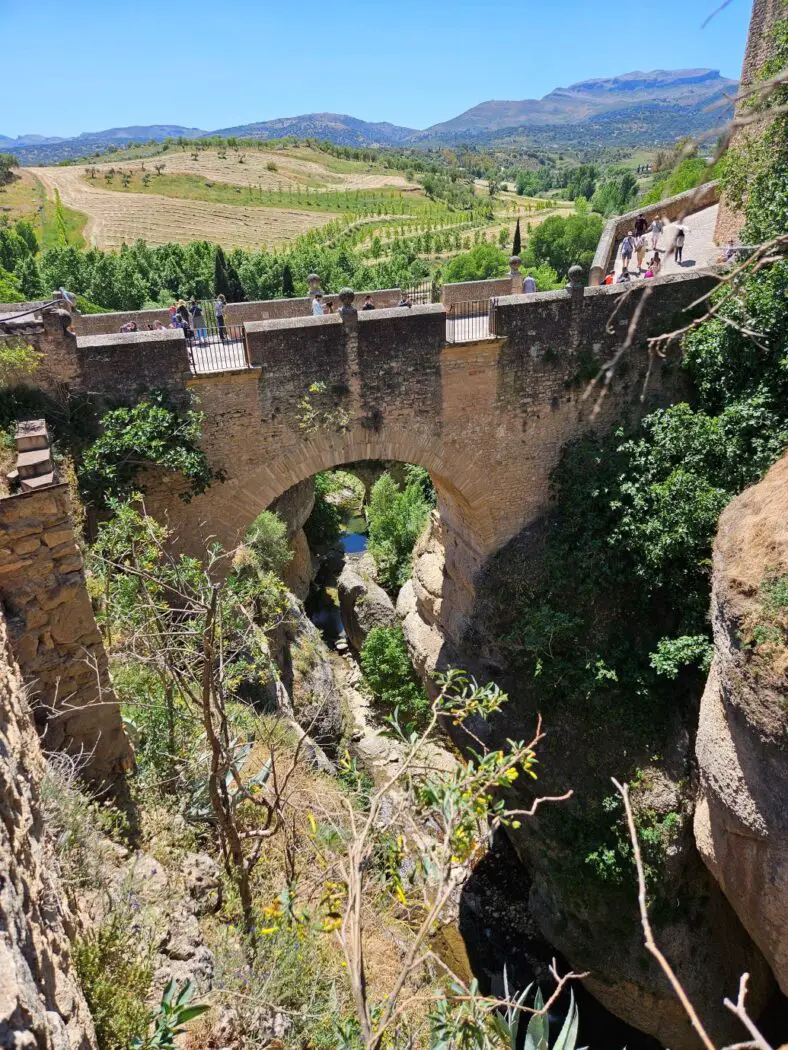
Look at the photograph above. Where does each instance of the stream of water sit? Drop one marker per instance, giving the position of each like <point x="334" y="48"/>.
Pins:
<point x="322" y="603"/>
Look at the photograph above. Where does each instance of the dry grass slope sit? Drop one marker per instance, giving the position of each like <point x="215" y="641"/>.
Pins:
<point x="114" y="217"/>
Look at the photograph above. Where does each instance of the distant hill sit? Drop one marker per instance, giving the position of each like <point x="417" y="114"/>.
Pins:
<point x="634" y="109"/>
<point x="335" y="127"/>
<point x="689" y="89"/>
<point x="40" y="149"/>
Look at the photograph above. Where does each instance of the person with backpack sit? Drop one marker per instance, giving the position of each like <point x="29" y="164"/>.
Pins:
<point x="657" y="227"/>
<point x="198" y="321"/>
<point x="627" y="248"/>
<point x="640" y="250"/>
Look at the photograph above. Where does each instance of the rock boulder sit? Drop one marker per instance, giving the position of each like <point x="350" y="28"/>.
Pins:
<point x="363" y="604"/>
<point x="741" y="820"/>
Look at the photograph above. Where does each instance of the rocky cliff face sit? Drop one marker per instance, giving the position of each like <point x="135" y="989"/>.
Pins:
<point x="592" y="918"/>
<point x="294" y="507"/>
<point x="41" y="1004"/>
<point x="741" y="820"/>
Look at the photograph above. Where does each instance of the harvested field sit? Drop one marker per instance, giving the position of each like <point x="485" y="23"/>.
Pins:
<point x="117" y="217"/>
<point x="290" y="173"/>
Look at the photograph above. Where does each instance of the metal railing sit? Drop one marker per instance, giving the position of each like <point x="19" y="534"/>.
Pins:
<point x="422" y="293"/>
<point x="471" y="320"/>
<point x="214" y="349"/>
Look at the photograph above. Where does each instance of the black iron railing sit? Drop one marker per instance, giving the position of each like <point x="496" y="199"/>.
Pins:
<point x="470" y="320"/>
<point x="422" y="293"/>
<point x="214" y="349"/>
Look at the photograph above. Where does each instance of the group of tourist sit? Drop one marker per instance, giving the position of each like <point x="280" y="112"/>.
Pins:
<point x="635" y="244"/>
<point x="321" y="305"/>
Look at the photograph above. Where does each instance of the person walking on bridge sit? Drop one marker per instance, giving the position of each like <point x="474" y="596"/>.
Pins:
<point x="529" y="284"/>
<point x="657" y="227"/>
<point x="627" y="247"/>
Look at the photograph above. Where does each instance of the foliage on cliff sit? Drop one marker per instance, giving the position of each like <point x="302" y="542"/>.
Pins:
<point x="609" y="618"/>
<point x="150" y="433"/>
<point x="396" y="518"/>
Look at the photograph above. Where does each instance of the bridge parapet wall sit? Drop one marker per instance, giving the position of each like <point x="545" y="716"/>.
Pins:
<point x="236" y="313"/>
<point x="124" y="365"/>
<point x="563" y="325"/>
<point x="468" y="291"/>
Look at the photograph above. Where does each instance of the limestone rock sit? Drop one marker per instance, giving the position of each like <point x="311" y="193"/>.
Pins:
<point x="203" y="882"/>
<point x="363" y="604"/>
<point x="300" y="570"/>
<point x="741" y="820"/>
<point x="41" y="1003"/>
<point x="308" y="678"/>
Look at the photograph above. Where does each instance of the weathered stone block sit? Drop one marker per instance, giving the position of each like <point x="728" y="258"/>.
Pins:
<point x="54" y="537"/>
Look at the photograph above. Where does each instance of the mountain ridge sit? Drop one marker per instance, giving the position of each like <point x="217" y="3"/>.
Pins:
<point x="637" y="107"/>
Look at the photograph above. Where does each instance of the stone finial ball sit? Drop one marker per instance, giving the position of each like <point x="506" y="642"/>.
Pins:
<point x="346" y="296"/>
<point x="313" y="277"/>
<point x="575" y="275"/>
<point x="515" y="262"/>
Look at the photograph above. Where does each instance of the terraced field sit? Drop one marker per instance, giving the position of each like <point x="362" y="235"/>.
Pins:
<point x="288" y="172"/>
<point x="117" y="217"/>
<point x="114" y="217"/>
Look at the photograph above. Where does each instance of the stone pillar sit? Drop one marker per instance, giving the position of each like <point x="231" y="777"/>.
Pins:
<point x="576" y="290"/>
<point x="347" y="310"/>
<point x="54" y="636"/>
<point x="514" y="273"/>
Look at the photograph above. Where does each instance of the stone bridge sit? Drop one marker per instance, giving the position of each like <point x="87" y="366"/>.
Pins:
<point x="486" y="418"/>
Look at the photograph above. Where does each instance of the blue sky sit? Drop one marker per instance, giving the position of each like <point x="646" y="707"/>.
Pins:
<point x="87" y="65"/>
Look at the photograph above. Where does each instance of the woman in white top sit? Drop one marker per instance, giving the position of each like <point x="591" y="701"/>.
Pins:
<point x="657" y="227"/>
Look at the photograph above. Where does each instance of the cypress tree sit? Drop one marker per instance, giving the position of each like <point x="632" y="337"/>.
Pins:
<point x="517" y="244"/>
<point x="221" y="284"/>
<point x="236" y="293"/>
<point x="287" y="282"/>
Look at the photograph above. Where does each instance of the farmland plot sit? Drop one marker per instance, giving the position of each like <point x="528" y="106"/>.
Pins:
<point x="117" y="217"/>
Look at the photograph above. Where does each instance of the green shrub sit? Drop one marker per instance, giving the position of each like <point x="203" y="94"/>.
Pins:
<point x="396" y="519"/>
<point x="267" y="539"/>
<point x="564" y="241"/>
<point x="116" y="981"/>
<point x="324" y="525"/>
<point x="390" y="676"/>
<point x="482" y="262"/>
<point x="151" y="432"/>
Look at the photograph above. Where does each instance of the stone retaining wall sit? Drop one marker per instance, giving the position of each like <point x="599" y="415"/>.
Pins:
<point x="53" y="633"/>
<point x="671" y="208"/>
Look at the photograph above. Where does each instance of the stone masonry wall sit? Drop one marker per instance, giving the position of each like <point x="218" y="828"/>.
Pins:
<point x="41" y="1003"/>
<point x="467" y="291"/>
<point x="487" y="419"/>
<point x="53" y="633"/>
<point x="125" y="365"/>
<point x="51" y="334"/>
<point x="760" y="48"/>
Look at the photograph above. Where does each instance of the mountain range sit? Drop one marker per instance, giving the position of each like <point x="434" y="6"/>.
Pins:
<point x="632" y="109"/>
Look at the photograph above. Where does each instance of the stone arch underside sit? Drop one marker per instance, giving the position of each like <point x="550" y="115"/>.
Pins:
<point x="463" y="482"/>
